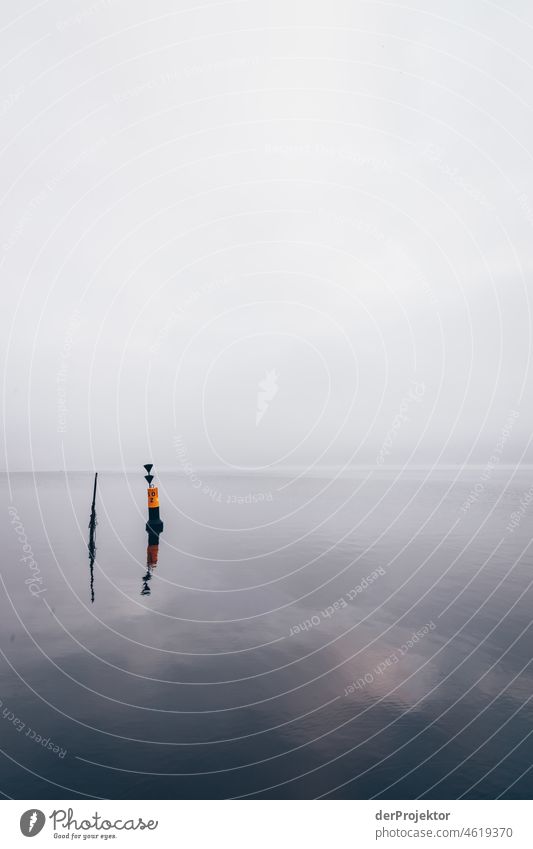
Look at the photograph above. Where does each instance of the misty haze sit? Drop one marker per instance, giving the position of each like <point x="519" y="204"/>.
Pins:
<point x="279" y="255"/>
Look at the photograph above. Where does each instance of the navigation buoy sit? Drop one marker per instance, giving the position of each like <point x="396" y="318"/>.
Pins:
<point x="154" y="523"/>
<point x="154" y="527"/>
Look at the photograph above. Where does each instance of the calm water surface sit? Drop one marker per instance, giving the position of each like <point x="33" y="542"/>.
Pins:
<point x="273" y="650"/>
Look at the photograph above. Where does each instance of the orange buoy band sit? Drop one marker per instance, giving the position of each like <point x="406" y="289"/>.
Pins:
<point x="153" y="496"/>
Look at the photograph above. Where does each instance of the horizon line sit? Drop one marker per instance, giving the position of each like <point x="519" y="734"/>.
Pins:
<point x="277" y="469"/>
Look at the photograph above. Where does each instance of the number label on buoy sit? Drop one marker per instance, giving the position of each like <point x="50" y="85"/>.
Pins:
<point x="153" y="497"/>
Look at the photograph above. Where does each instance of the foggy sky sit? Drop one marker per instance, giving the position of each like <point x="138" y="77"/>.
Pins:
<point x="250" y="235"/>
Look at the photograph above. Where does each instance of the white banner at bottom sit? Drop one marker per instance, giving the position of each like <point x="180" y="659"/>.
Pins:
<point x="266" y="824"/>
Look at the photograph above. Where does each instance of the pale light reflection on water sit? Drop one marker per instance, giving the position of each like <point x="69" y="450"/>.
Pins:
<point x="353" y="637"/>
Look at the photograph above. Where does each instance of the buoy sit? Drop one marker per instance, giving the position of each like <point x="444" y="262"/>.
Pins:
<point x="154" y="524"/>
<point x="154" y="527"/>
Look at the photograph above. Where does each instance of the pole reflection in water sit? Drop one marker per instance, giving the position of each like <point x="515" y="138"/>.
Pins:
<point x="92" y="540"/>
<point x="152" y="553"/>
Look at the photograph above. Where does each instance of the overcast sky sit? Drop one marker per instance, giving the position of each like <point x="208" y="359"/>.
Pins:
<point x="250" y="234"/>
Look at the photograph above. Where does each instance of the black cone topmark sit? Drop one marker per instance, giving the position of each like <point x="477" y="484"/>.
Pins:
<point x="32" y="822"/>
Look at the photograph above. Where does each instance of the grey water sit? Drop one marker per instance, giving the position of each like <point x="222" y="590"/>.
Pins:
<point x="355" y="636"/>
